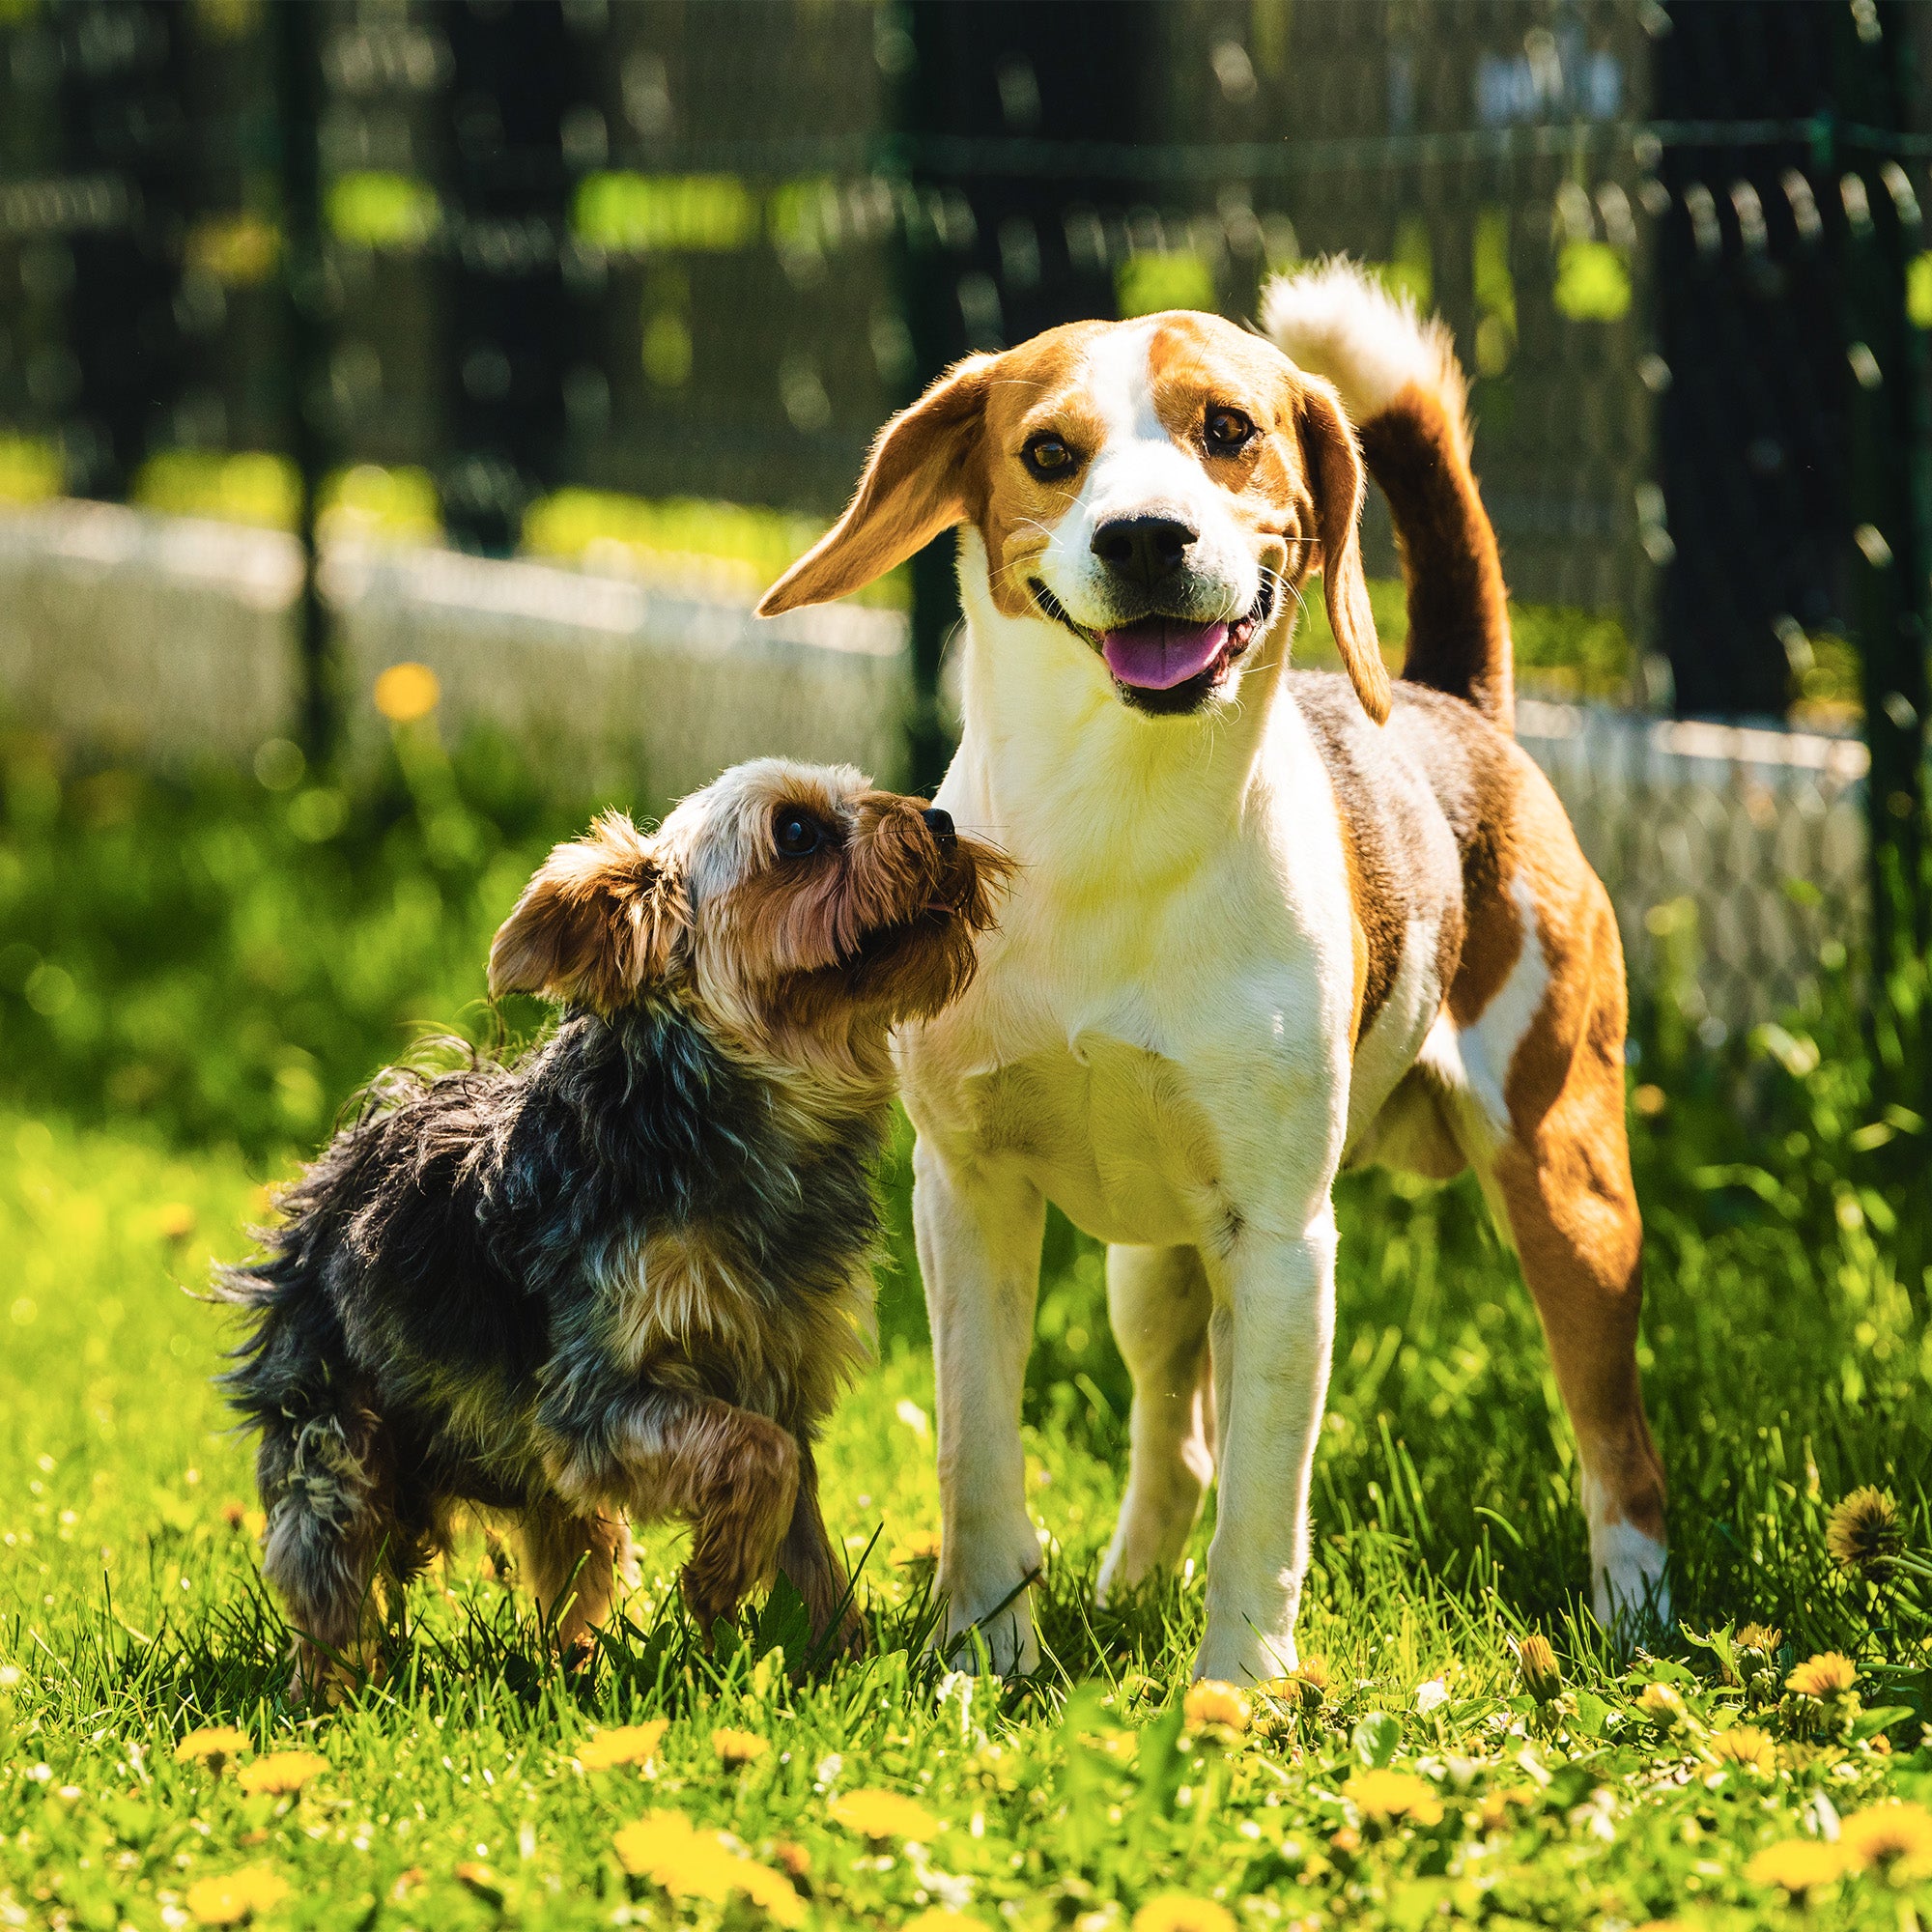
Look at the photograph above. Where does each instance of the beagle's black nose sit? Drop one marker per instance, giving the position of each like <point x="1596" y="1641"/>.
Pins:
<point x="939" y="823"/>
<point x="1146" y="549"/>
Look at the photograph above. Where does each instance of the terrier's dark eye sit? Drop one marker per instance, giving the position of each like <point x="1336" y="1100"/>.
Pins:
<point x="1227" y="431"/>
<point x="797" y="833"/>
<point x="1047" y="456"/>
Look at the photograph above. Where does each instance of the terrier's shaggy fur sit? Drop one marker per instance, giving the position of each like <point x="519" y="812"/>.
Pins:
<point x="624" y="1277"/>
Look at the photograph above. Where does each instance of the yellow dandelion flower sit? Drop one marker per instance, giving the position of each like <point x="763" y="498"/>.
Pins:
<point x="1384" y="1796"/>
<point x="481" y="1878"/>
<point x="212" y="1744"/>
<point x="1212" y="1702"/>
<point x="936" y="1918"/>
<point x="408" y="692"/>
<point x="1537" y="1662"/>
<point x="1863" y="1533"/>
<point x="771" y="1892"/>
<point x="1307" y="1685"/>
<point x="228" y="1901"/>
<point x="281" y="1773"/>
<point x="1823" y="1676"/>
<point x="921" y="1547"/>
<point x="628" y="1744"/>
<point x="1763" y="1639"/>
<point x="738" y="1747"/>
<point x="1177" y="1912"/>
<point x="1499" y="1804"/>
<point x="657" y="1839"/>
<point x="1895" y="1835"/>
<point x="883" y="1814"/>
<point x="176" y="1221"/>
<point x="668" y="1849"/>
<point x="1745" y="1747"/>
<point x="1797" y="1865"/>
<point x="1662" y="1705"/>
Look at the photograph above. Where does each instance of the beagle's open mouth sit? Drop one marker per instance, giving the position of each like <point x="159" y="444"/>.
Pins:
<point x="1162" y="661"/>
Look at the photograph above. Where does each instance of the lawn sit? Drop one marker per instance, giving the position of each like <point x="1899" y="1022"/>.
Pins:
<point x="1425" y="1766"/>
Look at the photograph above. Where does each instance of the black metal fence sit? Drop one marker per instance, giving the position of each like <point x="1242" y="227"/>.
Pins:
<point x="701" y="247"/>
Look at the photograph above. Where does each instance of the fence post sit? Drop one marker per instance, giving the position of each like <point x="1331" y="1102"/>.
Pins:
<point x="124" y="135"/>
<point x="989" y="80"/>
<point x="1882" y="229"/>
<point x="924" y="288"/>
<point x="512" y="325"/>
<point x="305" y="380"/>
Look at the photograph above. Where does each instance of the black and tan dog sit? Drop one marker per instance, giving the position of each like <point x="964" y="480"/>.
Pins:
<point x="624" y="1277"/>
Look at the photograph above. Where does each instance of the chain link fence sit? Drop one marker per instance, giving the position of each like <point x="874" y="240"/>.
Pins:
<point x="628" y="288"/>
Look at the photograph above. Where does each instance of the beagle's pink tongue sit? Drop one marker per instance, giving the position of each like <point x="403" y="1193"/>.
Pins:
<point x="1157" y="653"/>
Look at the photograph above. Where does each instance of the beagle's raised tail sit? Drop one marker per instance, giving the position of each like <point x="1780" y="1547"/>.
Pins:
<point x="1406" y="395"/>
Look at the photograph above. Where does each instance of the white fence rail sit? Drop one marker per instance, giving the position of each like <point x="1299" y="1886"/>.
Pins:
<point x="1732" y="854"/>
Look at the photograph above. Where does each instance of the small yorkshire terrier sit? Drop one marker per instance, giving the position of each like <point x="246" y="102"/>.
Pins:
<point x="624" y="1277"/>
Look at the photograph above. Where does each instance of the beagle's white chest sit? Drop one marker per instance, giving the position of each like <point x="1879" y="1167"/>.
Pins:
<point x="1113" y="1133"/>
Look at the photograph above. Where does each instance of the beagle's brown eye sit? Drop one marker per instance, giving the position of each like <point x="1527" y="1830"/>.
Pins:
<point x="1227" y="431"/>
<point x="798" y="833"/>
<point x="1047" y="456"/>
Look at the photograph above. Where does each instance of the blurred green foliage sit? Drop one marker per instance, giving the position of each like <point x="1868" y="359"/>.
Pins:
<point x="224" y="958"/>
<point x="1564" y="653"/>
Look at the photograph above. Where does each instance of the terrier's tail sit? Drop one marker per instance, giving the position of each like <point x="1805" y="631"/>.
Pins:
<point x="1405" y="392"/>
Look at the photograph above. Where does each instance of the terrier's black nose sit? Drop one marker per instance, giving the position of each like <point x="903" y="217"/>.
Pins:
<point x="939" y="822"/>
<point x="1146" y="549"/>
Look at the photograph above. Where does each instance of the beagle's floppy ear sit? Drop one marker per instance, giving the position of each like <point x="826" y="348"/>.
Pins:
<point x="917" y="481"/>
<point x="601" y="921"/>
<point x="1335" y="471"/>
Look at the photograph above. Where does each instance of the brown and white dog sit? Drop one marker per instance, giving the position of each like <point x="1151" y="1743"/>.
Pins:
<point x="1264" y="926"/>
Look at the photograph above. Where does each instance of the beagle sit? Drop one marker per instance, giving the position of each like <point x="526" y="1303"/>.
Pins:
<point x="1265" y="924"/>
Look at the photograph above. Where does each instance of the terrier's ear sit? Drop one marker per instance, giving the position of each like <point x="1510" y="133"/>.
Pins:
<point x="919" y="481"/>
<point x="1334" y="461"/>
<point x="603" y="919"/>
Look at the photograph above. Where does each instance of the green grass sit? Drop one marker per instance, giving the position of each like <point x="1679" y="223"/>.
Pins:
<point x="1786" y="1363"/>
<point x="132" y="1612"/>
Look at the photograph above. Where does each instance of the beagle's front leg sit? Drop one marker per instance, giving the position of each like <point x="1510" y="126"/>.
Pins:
<point x="978" y="1251"/>
<point x="1273" y="1334"/>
